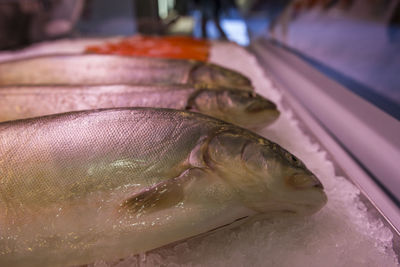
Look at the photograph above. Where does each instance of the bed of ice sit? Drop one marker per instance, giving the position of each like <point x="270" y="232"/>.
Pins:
<point x="341" y="234"/>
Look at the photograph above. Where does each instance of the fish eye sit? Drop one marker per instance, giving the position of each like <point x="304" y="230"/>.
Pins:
<point x="251" y="94"/>
<point x="293" y="159"/>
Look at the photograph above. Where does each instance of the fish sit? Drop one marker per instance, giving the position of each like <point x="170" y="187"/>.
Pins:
<point x="246" y="109"/>
<point x="92" y="69"/>
<point x="54" y="47"/>
<point x="104" y="184"/>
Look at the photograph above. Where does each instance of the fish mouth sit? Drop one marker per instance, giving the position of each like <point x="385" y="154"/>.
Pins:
<point x="318" y="201"/>
<point x="314" y="201"/>
<point x="259" y="106"/>
<point x="225" y="225"/>
<point x="301" y="209"/>
<point x="318" y="184"/>
<point x="304" y="181"/>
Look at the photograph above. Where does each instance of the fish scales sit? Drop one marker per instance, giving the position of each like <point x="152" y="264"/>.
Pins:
<point x="92" y="69"/>
<point x="103" y="184"/>
<point x="242" y="108"/>
<point x="20" y="102"/>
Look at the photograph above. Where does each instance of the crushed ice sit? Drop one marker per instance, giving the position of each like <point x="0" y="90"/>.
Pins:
<point x="341" y="234"/>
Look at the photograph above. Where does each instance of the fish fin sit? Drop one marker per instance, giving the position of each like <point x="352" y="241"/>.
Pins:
<point x="163" y="195"/>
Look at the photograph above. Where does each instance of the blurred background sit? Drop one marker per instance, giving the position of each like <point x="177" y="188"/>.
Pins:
<point x="356" y="42"/>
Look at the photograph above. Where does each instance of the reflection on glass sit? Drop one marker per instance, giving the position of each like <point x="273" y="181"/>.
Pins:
<point x="355" y="42"/>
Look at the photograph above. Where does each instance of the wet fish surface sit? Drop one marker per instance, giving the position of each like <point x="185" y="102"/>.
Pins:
<point x="54" y="47"/>
<point x="103" y="184"/>
<point x="246" y="109"/>
<point x="90" y="69"/>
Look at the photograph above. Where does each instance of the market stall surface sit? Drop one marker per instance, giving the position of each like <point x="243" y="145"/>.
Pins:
<point x="343" y="233"/>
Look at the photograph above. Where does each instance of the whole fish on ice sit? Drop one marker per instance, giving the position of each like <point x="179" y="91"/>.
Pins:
<point x="103" y="184"/>
<point x="53" y="47"/>
<point x="246" y="109"/>
<point x="90" y="69"/>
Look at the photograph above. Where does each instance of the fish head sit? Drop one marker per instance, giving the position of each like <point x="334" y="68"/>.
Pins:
<point x="246" y="109"/>
<point x="266" y="177"/>
<point x="216" y="76"/>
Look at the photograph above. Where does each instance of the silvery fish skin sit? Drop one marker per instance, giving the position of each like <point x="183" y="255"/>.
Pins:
<point x="246" y="109"/>
<point x="59" y="46"/>
<point x="103" y="184"/>
<point x="93" y="69"/>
